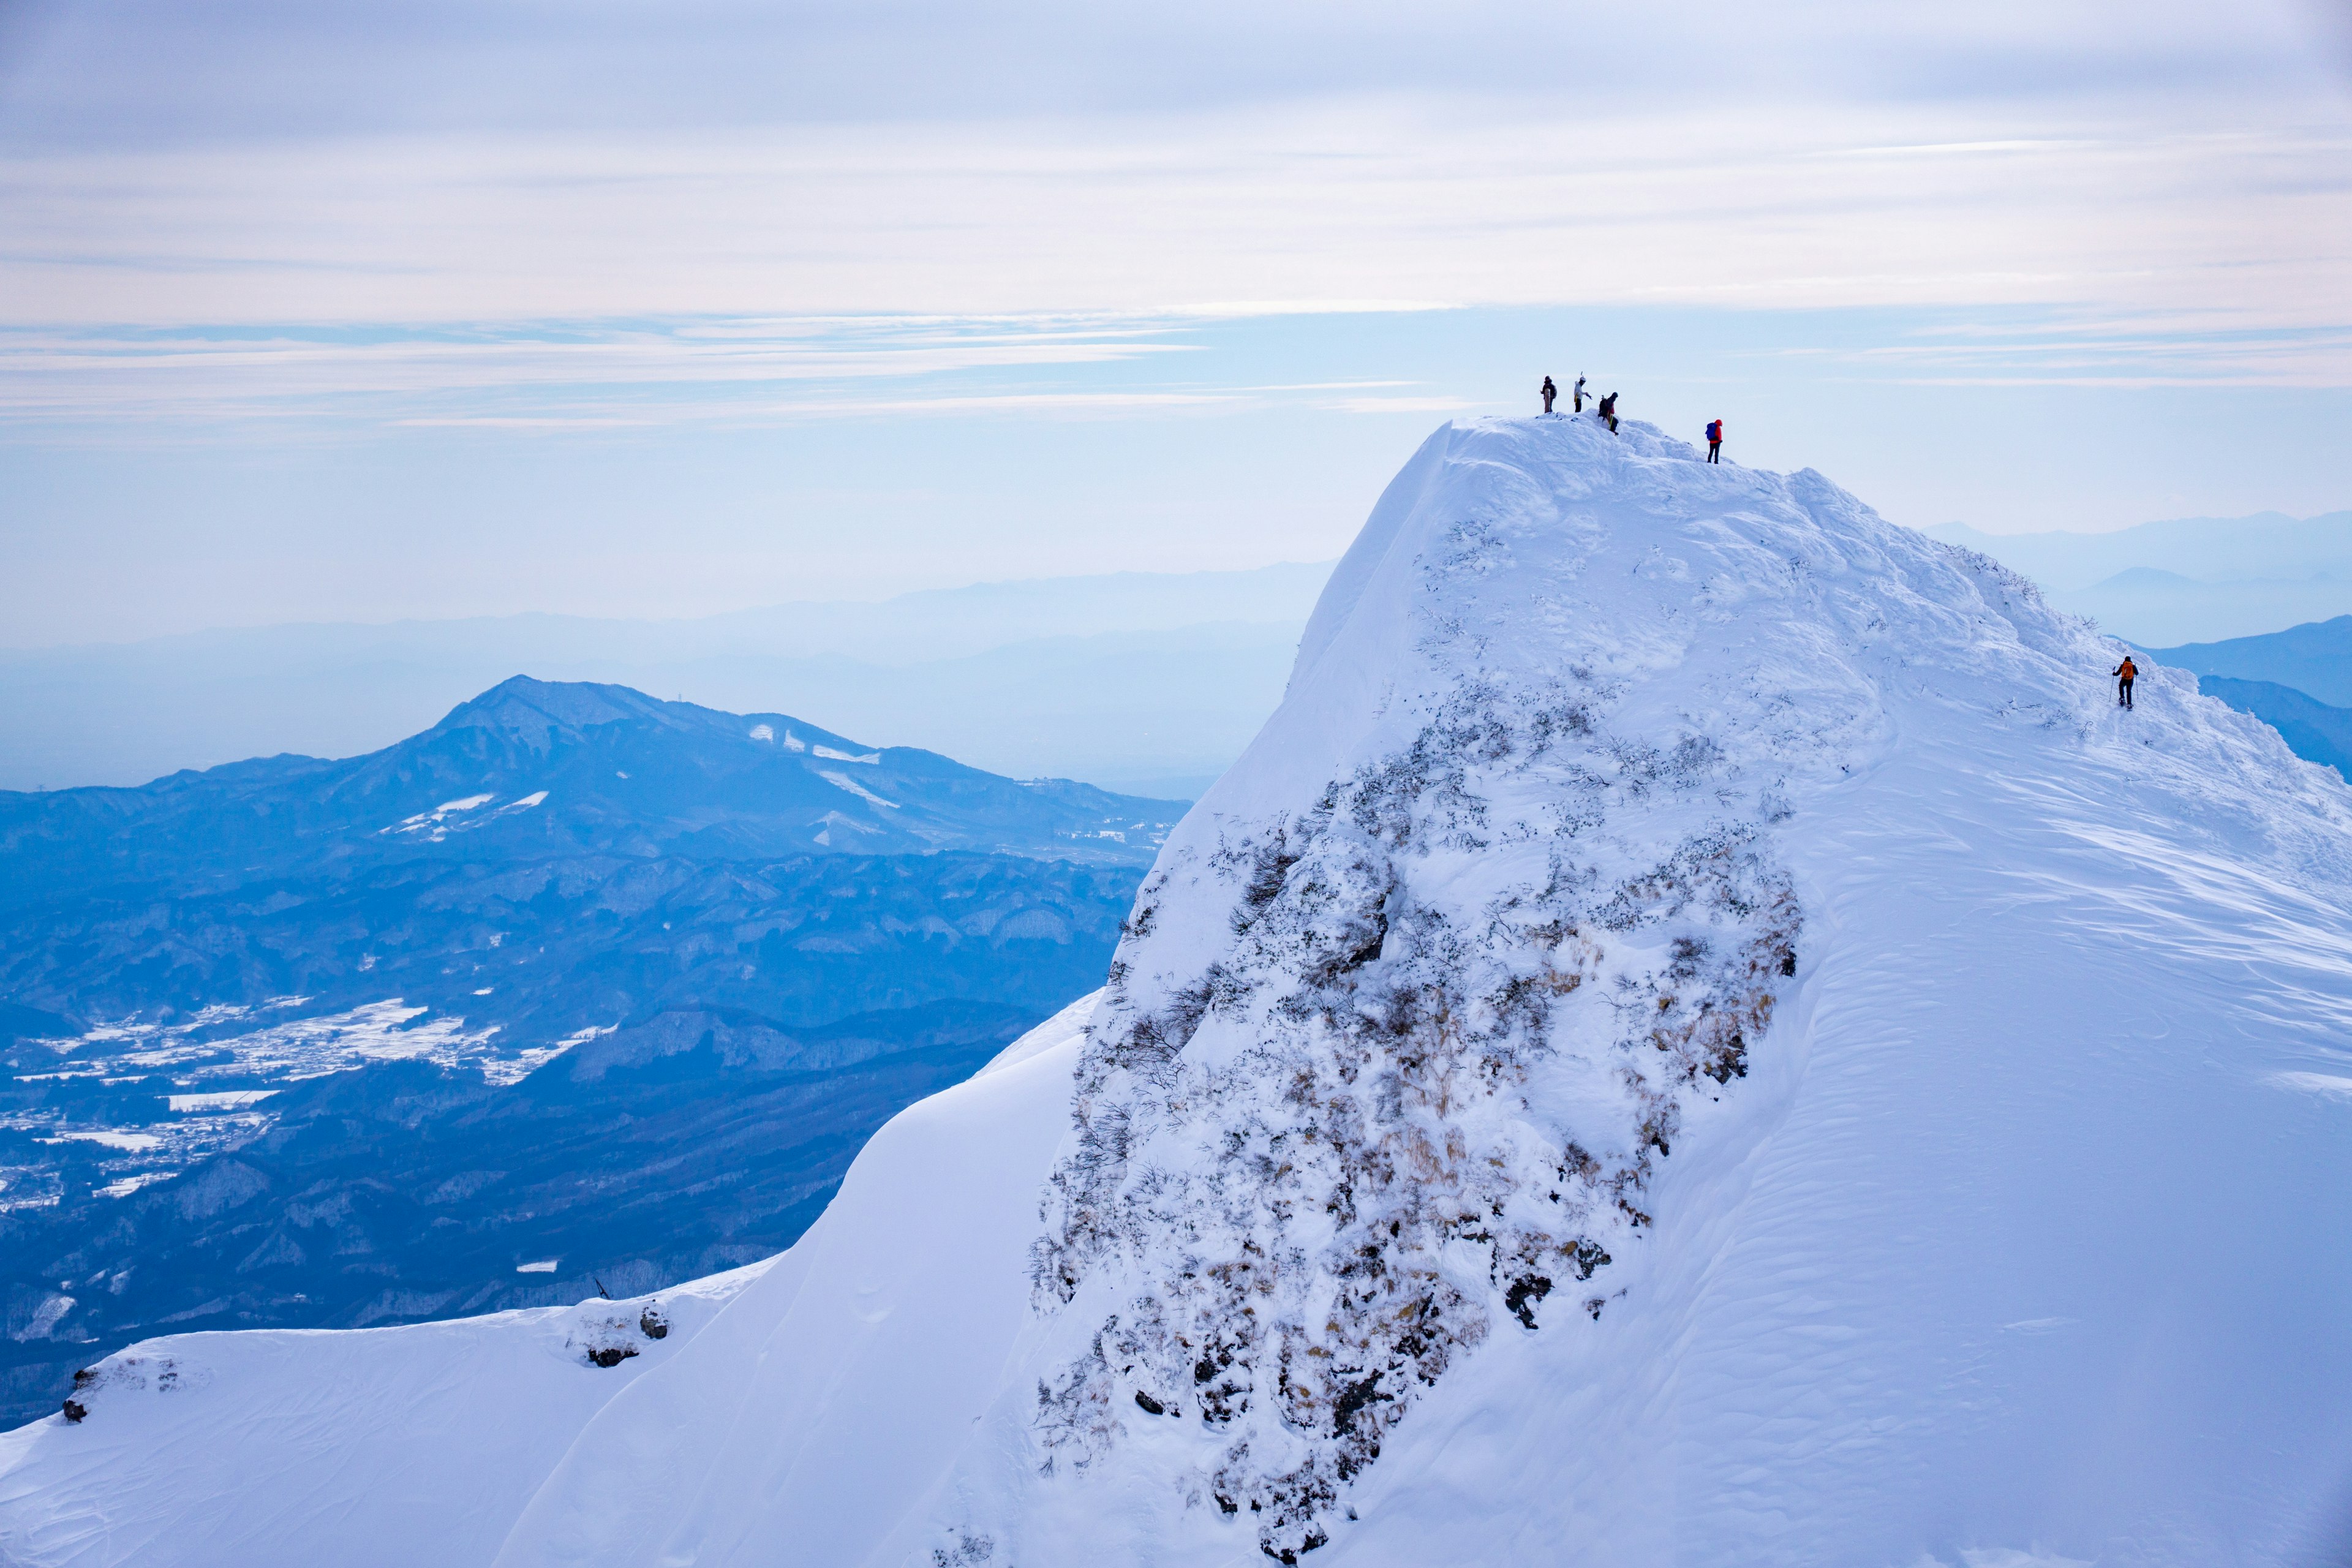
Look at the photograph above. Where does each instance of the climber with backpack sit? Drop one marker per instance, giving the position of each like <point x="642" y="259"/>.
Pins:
<point x="1715" y="440"/>
<point x="2124" y="674"/>
<point x="1549" y="392"/>
<point x="1608" y="406"/>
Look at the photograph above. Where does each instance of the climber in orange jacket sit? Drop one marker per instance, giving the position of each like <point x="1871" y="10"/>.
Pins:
<point x="2124" y="674"/>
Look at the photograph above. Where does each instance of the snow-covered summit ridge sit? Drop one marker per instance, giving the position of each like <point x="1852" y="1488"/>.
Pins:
<point x="1629" y="557"/>
<point x="1492" y="916"/>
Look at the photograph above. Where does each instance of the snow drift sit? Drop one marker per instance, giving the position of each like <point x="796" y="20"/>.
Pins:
<point x="1697" y="1035"/>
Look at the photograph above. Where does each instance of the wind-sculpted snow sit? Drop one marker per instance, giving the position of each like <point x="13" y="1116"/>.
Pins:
<point x="1387" y="1118"/>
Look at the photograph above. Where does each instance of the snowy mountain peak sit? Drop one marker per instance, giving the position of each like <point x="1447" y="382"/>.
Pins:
<point x="1493" y="918"/>
<point x="1700" y="1033"/>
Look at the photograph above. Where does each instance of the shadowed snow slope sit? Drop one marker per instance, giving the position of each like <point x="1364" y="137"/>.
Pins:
<point x="1698" y="1035"/>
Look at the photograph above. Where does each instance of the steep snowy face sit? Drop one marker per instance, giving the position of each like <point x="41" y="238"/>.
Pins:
<point x="1490" y="920"/>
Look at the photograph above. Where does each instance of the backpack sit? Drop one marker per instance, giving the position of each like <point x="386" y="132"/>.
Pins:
<point x="1715" y="430"/>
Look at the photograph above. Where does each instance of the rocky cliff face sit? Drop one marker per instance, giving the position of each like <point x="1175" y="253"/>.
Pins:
<point x="1416" y="1099"/>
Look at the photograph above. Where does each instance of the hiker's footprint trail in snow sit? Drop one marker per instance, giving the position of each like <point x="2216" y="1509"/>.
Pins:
<point x="1697" y="1035"/>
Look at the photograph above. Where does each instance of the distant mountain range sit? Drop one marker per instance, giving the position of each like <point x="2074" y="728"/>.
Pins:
<point x="532" y="767"/>
<point x="1142" y="681"/>
<point x="2189" y="578"/>
<point x="2315" y="659"/>
<point x="575" y="978"/>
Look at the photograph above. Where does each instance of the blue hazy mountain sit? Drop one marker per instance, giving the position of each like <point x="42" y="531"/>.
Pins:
<point x="575" y="978"/>
<point x="1147" y="682"/>
<point x="2197" y="577"/>
<point x="2267" y="546"/>
<point x="533" y="767"/>
<point x="2314" y="658"/>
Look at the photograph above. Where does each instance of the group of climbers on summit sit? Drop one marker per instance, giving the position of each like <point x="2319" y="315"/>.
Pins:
<point x="1576" y="398"/>
<point x="1607" y="409"/>
<point x="2123" y="674"/>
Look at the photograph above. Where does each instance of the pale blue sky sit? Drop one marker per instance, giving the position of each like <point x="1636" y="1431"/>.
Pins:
<point x="368" y="312"/>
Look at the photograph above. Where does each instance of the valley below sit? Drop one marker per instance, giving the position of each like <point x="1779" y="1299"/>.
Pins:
<point x="316" y="1046"/>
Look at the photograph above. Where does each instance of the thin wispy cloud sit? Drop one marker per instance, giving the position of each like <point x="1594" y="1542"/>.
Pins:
<point x="1263" y="209"/>
<point x="702" y="365"/>
<point x="576" y="375"/>
<point x="2242" y="239"/>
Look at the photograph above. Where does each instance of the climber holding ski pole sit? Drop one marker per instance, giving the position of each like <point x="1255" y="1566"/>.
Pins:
<point x="1576" y="403"/>
<point x="2124" y="674"/>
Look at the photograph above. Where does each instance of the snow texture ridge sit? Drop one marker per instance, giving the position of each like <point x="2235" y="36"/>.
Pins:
<point x="1698" y="1035"/>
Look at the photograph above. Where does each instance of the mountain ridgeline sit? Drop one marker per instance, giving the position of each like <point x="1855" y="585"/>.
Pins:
<point x="576" y="979"/>
<point x="2314" y="658"/>
<point x="534" y="768"/>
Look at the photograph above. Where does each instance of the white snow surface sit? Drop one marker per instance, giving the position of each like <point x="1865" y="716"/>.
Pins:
<point x="1063" y="1028"/>
<point x="363" y="1448"/>
<point x="224" y="1099"/>
<point x="1698" y="1035"/>
<point x="840" y="780"/>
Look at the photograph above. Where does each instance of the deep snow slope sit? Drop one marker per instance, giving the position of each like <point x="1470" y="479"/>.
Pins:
<point x="365" y="1448"/>
<point x="1698" y="1035"/>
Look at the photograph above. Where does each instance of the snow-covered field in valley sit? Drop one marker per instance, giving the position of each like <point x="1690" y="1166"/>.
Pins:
<point x="1699" y="1035"/>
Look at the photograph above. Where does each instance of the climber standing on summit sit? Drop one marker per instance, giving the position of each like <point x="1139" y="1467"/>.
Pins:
<point x="2124" y="674"/>
<point x="1715" y="440"/>
<point x="1577" y="404"/>
<point x="1549" y="392"/>
<point x="1608" y="406"/>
